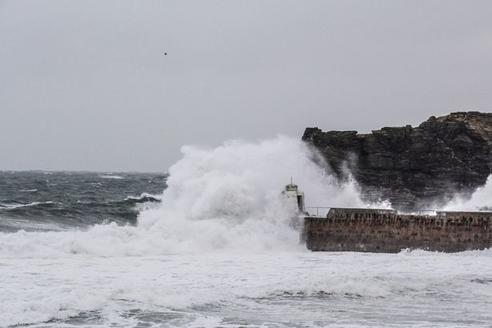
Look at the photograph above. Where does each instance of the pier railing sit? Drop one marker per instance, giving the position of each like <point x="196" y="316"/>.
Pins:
<point x="323" y="211"/>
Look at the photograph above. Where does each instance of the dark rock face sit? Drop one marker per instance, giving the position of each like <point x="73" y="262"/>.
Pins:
<point x="413" y="167"/>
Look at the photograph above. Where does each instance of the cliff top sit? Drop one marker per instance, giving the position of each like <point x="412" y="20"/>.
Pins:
<point x="478" y="121"/>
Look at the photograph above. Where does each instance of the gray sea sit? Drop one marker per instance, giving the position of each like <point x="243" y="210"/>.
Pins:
<point x="210" y="246"/>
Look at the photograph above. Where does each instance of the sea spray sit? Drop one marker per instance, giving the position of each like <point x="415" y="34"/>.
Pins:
<point x="224" y="198"/>
<point x="480" y="200"/>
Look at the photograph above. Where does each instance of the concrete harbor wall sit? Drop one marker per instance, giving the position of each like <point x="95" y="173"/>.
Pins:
<point x="374" y="230"/>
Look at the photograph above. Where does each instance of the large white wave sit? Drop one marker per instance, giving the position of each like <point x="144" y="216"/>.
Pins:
<point x="223" y="198"/>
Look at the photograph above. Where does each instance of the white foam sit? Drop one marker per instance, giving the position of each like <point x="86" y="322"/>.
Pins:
<point x="284" y="289"/>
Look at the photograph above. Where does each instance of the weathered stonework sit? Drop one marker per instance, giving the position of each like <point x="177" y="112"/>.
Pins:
<point x="413" y="167"/>
<point x="368" y="230"/>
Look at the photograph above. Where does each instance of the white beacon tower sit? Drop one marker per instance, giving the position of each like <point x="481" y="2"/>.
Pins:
<point x="294" y="196"/>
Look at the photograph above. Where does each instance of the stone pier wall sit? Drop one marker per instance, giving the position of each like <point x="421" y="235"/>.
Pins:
<point x="369" y="230"/>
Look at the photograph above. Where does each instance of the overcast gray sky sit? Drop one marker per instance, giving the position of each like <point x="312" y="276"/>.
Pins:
<point x="85" y="85"/>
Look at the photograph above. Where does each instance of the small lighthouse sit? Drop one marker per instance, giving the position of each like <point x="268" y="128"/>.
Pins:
<point x="293" y="195"/>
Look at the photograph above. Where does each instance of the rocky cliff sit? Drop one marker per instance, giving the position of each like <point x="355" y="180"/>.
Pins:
<point x="413" y="167"/>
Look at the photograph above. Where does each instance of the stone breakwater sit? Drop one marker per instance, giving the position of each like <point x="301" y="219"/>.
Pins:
<point x="386" y="231"/>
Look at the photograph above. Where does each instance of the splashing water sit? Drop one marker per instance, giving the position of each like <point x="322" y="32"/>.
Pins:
<point x="480" y="200"/>
<point x="224" y="198"/>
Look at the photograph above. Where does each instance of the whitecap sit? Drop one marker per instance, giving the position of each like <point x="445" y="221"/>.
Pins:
<point x="10" y="206"/>
<point x="116" y="177"/>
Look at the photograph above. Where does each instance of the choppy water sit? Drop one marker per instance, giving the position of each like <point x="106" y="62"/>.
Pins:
<point x="64" y="200"/>
<point x="214" y="250"/>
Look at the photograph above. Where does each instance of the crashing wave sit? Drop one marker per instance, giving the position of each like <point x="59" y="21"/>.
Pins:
<point x="219" y="199"/>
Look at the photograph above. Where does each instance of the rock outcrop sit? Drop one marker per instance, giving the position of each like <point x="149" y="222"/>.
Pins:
<point x="413" y="167"/>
